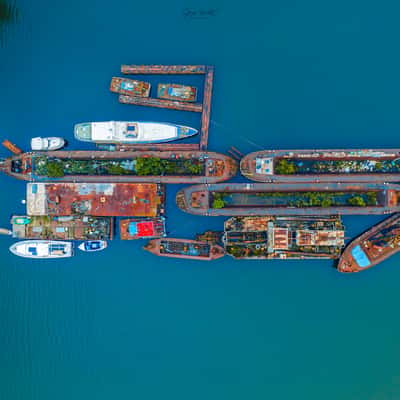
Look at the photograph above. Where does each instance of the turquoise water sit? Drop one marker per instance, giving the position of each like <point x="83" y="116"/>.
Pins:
<point x="124" y="324"/>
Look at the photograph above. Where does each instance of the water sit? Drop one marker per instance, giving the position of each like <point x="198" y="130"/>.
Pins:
<point x="125" y="324"/>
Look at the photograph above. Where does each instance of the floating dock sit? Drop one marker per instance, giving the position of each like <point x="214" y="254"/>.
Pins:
<point x="205" y="108"/>
<point x="73" y="227"/>
<point x="112" y="166"/>
<point x="337" y="165"/>
<point x="282" y="237"/>
<point x="164" y="69"/>
<point x="184" y="248"/>
<point x="372" y="247"/>
<point x="289" y="199"/>
<point x="95" y="199"/>
<point x="160" y="103"/>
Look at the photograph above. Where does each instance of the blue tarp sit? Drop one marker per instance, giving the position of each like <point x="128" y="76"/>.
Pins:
<point x="132" y="228"/>
<point x="360" y="257"/>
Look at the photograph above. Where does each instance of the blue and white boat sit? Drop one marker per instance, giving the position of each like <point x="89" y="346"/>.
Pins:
<point x="42" y="249"/>
<point x="126" y="132"/>
<point x="93" y="245"/>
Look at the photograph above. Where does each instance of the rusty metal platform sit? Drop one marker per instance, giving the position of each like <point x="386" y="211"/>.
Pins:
<point x="159" y="103"/>
<point x="163" y="69"/>
<point x="73" y="227"/>
<point x="97" y="199"/>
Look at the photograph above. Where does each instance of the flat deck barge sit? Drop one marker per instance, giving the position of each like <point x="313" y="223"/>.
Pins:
<point x="372" y="247"/>
<point x="350" y="165"/>
<point x="184" y="248"/>
<point x="73" y="227"/>
<point x="283" y="237"/>
<point x="128" y="166"/>
<point x="289" y="199"/>
<point x="95" y="199"/>
<point x="141" y="228"/>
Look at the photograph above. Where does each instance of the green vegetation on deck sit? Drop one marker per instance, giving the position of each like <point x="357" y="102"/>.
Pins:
<point x="149" y="166"/>
<point x="307" y="166"/>
<point x="293" y="199"/>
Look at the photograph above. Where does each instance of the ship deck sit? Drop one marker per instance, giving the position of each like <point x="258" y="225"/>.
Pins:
<point x="217" y="167"/>
<point x="248" y="165"/>
<point x="184" y="248"/>
<point x="97" y="199"/>
<point x="64" y="228"/>
<point x="372" y="247"/>
<point x="196" y="199"/>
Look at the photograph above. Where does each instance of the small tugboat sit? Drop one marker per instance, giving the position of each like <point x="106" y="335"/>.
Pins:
<point x="130" y="87"/>
<point x="47" y="143"/>
<point x="372" y="247"/>
<point x="131" y="132"/>
<point x="184" y="248"/>
<point x="172" y="91"/>
<point x="42" y="249"/>
<point x="93" y="245"/>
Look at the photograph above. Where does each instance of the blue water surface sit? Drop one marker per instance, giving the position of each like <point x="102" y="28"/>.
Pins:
<point x="124" y="324"/>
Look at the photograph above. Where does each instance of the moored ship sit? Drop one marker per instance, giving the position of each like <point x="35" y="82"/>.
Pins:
<point x="71" y="227"/>
<point x="42" y="249"/>
<point x="372" y="247"/>
<point x="352" y="165"/>
<point x="173" y="91"/>
<point x="142" y="228"/>
<point x="130" y="87"/>
<point x="127" y="166"/>
<point x="184" y="248"/>
<point x="95" y="199"/>
<point x="289" y="199"/>
<point x="283" y="237"/>
<point x="131" y="132"/>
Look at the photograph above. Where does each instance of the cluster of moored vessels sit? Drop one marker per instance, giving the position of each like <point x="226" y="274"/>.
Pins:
<point x="290" y="208"/>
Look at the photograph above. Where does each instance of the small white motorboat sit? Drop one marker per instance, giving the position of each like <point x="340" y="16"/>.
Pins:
<point x="42" y="249"/>
<point x="47" y="143"/>
<point x="93" y="245"/>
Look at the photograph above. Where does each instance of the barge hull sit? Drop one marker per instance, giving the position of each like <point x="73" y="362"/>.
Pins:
<point x="196" y="199"/>
<point x="249" y="165"/>
<point x="372" y="247"/>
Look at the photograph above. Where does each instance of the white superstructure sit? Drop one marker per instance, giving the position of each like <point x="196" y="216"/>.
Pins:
<point x="42" y="249"/>
<point x="131" y="132"/>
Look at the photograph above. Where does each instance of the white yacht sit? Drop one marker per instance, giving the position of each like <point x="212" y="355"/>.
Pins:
<point x="131" y="132"/>
<point x="47" y="143"/>
<point x="42" y="249"/>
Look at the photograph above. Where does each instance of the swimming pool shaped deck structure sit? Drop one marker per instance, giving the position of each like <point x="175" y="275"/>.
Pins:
<point x="97" y="199"/>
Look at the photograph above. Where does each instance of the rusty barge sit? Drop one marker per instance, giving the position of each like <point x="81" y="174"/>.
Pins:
<point x="95" y="199"/>
<point x="72" y="227"/>
<point x="128" y="166"/>
<point x="241" y="199"/>
<point x="184" y="248"/>
<point x="350" y="165"/>
<point x="281" y="237"/>
<point x="372" y="247"/>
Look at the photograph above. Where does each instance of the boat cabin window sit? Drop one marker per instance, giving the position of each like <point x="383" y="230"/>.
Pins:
<point x="131" y="131"/>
